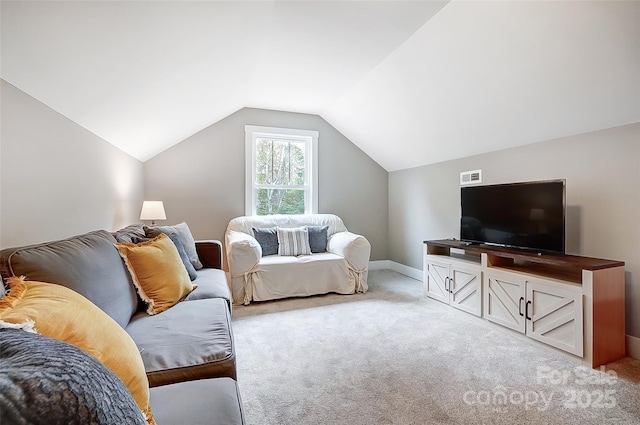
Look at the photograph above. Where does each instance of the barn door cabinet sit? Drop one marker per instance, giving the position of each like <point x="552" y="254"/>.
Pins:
<point x="456" y="282"/>
<point x="572" y="303"/>
<point x="542" y="309"/>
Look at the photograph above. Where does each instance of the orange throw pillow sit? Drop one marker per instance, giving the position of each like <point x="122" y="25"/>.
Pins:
<point x="157" y="271"/>
<point x="63" y="314"/>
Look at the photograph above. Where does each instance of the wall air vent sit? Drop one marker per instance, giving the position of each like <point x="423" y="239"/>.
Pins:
<point x="471" y="177"/>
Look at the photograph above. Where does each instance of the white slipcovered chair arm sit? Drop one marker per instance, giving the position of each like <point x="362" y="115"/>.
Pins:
<point x="356" y="249"/>
<point x="243" y="252"/>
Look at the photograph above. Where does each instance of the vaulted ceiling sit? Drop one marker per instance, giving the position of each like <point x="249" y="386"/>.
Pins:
<point x="409" y="82"/>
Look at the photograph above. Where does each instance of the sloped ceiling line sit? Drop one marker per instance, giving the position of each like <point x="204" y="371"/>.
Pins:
<point x="410" y="82"/>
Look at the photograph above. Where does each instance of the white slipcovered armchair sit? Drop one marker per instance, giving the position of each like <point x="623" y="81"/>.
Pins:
<point x="342" y="269"/>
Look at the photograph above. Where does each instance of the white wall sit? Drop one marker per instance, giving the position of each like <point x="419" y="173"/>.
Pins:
<point x="201" y="180"/>
<point x="56" y="178"/>
<point x="602" y="173"/>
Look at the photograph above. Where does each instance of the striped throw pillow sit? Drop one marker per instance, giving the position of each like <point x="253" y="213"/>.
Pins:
<point x="293" y="241"/>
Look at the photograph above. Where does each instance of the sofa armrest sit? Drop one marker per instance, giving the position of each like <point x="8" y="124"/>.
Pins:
<point x="210" y="253"/>
<point x="356" y="249"/>
<point x="243" y="252"/>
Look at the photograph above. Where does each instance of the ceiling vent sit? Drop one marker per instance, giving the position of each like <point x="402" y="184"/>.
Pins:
<point x="471" y="177"/>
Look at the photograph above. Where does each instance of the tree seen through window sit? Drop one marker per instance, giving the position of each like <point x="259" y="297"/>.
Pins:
<point x="280" y="176"/>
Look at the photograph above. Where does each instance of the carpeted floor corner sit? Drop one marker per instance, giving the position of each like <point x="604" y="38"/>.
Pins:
<point x="392" y="356"/>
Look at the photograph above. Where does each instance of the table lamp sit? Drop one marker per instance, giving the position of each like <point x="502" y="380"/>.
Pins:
<point x="152" y="210"/>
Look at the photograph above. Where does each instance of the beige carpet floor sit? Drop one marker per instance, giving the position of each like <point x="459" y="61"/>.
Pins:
<point x="392" y="356"/>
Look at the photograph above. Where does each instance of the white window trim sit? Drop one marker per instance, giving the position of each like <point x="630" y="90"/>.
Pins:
<point x="252" y="133"/>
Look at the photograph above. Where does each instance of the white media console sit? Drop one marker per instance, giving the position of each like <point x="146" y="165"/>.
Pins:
<point x="573" y="303"/>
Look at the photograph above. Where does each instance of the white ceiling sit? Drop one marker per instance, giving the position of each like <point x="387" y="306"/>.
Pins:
<point x="410" y="83"/>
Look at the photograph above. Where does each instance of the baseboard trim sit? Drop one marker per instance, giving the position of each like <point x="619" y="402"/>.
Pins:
<point x="379" y="265"/>
<point x="633" y="347"/>
<point x="396" y="267"/>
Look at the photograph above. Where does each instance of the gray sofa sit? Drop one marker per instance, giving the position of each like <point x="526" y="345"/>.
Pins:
<point x="187" y="350"/>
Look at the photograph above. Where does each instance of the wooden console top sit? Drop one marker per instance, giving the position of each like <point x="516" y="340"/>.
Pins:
<point x="442" y="247"/>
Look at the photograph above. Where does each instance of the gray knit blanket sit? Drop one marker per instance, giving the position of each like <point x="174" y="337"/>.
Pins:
<point x="45" y="381"/>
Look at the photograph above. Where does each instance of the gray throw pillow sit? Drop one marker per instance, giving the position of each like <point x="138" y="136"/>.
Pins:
<point x="183" y="256"/>
<point x="318" y="238"/>
<point x="267" y="237"/>
<point x="46" y="381"/>
<point x="184" y="233"/>
<point x="126" y="234"/>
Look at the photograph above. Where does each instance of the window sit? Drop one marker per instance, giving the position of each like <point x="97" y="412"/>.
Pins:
<point x="281" y="171"/>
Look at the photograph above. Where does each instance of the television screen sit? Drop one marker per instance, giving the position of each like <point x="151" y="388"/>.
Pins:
<point x="528" y="215"/>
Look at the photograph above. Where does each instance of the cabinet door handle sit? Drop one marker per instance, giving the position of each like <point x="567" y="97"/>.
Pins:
<point x="520" y="306"/>
<point x="446" y="282"/>
<point x="526" y="311"/>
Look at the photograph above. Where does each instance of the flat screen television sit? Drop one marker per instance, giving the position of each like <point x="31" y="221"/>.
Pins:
<point x="528" y="215"/>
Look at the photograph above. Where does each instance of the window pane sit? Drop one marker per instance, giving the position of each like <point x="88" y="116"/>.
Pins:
<point x="297" y="163"/>
<point x="280" y="162"/>
<point x="279" y="201"/>
<point x="264" y="161"/>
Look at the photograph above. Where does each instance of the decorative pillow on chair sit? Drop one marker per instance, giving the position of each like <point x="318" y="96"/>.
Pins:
<point x="267" y="237"/>
<point x="184" y="233"/>
<point x="53" y="382"/>
<point x="63" y="314"/>
<point x="318" y="238"/>
<point x="157" y="272"/>
<point x="293" y="241"/>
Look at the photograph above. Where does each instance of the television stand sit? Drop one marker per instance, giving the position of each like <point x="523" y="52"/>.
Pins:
<point x="573" y="303"/>
<point x="469" y="243"/>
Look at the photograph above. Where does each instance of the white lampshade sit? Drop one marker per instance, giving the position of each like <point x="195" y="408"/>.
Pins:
<point x="152" y="210"/>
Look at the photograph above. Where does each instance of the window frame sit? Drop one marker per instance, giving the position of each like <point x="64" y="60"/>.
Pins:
<point x="308" y="137"/>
